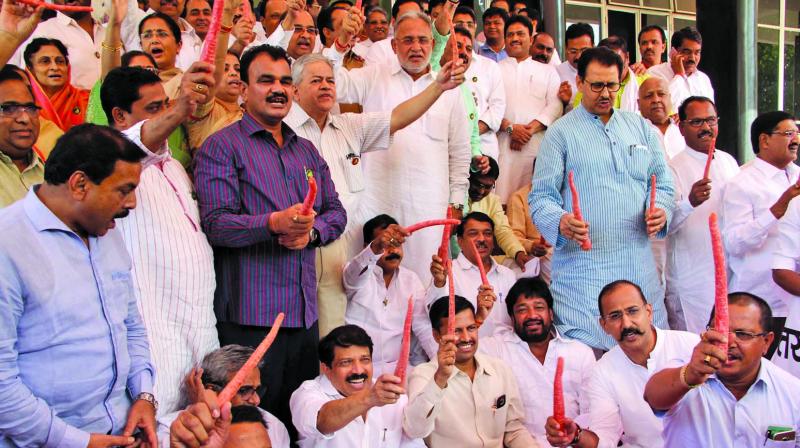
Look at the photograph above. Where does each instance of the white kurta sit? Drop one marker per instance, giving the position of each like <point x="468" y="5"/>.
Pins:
<point x="427" y="165"/>
<point x="381" y="310"/>
<point x="380" y="53"/>
<point x="690" y="263"/>
<point x="533" y="95"/>
<point x="672" y="141"/>
<point x="535" y="379"/>
<point x="750" y="230"/>
<point x="680" y="88"/>
<point x="787" y="256"/>
<point x="173" y="271"/>
<point x="484" y="80"/>
<point x="566" y="72"/>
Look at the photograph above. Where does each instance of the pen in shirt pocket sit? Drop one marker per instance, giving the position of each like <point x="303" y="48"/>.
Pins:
<point x="636" y="147"/>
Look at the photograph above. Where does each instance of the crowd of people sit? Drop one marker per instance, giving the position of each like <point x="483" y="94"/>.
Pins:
<point x="152" y="191"/>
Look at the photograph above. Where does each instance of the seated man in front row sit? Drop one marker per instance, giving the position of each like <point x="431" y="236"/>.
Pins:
<point x="730" y="397"/>
<point x="464" y="399"/>
<point x="216" y="370"/>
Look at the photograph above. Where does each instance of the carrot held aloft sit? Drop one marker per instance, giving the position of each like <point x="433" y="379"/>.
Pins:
<point x="444" y="247"/>
<point x="576" y="209"/>
<point x="451" y="306"/>
<point x="405" y="346"/>
<point x="479" y="261"/>
<point x="54" y="7"/>
<point x="652" y="195"/>
<point x="207" y="54"/>
<point x="721" y="319"/>
<point x="558" y="392"/>
<point x="236" y="382"/>
<point x="311" y="195"/>
<point x="433" y="222"/>
<point x="707" y="169"/>
<point x="455" y="43"/>
<point x="358" y="5"/>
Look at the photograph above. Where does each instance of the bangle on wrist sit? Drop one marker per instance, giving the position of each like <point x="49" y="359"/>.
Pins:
<point x="683" y="378"/>
<point x="340" y="47"/>
<point x="577" y="437"/>
<point x="225" y="28"/>
<point x="105" y="46"/>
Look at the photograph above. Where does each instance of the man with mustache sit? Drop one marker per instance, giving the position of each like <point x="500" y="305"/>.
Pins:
<point x="378" y="288"/>
<point x="579" y="38"/>
<point x="531" y="108"/>
<point x="173" y="265"/>
<point x="532" y="350"/>
<point x="377" y="29"/>
<point x="690" y="263"/>
<point x="343" y="140"/>
<point x="543" y="48"/>
<point x="617" y="410"/>
<point x="382" y="52"/>
<point x="681" y="71"/>
<point x="729" y="396"/>
<point x="655" y="105"/>
<point x="76" y="363"/>
<point x="754" y="204"/>
<point x="264" y="246"/>
<point x="198" y="14"/>
<point x="652" y="44"/>
<point x="344" y="407"/>
<point x="479" y="228"/>
<point x="612" y="155"/>
<point x="464" y="398"/>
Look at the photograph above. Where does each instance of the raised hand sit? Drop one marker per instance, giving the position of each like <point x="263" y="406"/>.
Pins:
<point x="451" y="75"/>
<point x="17" y="21"/>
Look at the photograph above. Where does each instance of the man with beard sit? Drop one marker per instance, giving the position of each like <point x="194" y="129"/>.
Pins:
<point x="652" y="44"/>
<point x="531" y="108"/>
<point x="494" y="24"/>
<point x="378" y="288"/>
<point x="681" y="71"/>
<point x="617" y="410"/>
<point x="612" y="154"/>
<point x="343" y="407"/>
<point x="690" y="262"/>
<point x="755" y="202"/>
<point x="543" y="48"/>
<point x="532" y="350"/>
<point x="478" y="228"/>
<point x="464" y="398"/>
<point x="655" y="105"/>
<point x="729" y="396"/>
<point x="75" y="362"/>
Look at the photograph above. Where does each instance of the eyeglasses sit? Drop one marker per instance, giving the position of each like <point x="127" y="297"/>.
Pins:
<point x="244" y="392"/>
<point x="789" y="134"/>
<point x="299" y="29"/>
<point x="481" y="186"/>
<point x="408" y="41"/>
<point x="616" y="316"/>
<point x="14" y="110"/>
<point x="698" y="122"/>
<point x="599" y="86"/>
<point x="744" y="336"/>
<point x="576" y="51"/>
<point x="161" y="34"/>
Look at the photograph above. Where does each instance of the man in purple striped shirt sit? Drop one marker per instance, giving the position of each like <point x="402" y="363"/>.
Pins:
<point x="250" y="179"/>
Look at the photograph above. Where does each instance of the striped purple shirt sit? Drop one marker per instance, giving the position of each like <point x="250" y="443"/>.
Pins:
<point x="242" y="176"/>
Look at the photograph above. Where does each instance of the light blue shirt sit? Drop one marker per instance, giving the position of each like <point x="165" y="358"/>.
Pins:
<point x="71" y="339"/>
<point x="612" y="163"/>
<point x="710" y="416"/>
<point x="486" y="50"/>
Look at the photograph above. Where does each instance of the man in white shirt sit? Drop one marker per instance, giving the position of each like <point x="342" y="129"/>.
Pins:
<point x="754" y="203"/>
<point x="733" y="396"/>
<point x="427" y="164"/>
<point x="462" y="398"/>
<point x="652" y="45"/>
<point x="617" y="410"/>
<point x="681" y="71"/>
<point x="342" y="139"/>
<point x="655" y="104"/>
<point x="216" y="371"/>
<point x="378" y="288"/>
<point x="579" y="38"/>
<point x="542" y="48"/>
<point x="343" y="407"/>
<point x="478" y="228"/>
<point x="382" y="52"/>
<point x="531" y="107"/>
<point x="690" y="264"/>
<point x="532" y="350"/>
<point x="377" y="29"/>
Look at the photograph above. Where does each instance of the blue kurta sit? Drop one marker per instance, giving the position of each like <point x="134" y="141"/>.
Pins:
<point x="612" y="163"/>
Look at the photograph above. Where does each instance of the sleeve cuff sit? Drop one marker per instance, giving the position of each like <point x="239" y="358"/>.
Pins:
<point x="62" y="434"/>
<point x="685" y="206"/>
<point x="783" y="262"/>
<point x="143" y="382"/>
<point x="766" y="219"/>
<point x="431" y="394"/>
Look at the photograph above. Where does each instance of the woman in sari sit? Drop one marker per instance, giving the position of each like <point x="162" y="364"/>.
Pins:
<point x="48" y="69"/>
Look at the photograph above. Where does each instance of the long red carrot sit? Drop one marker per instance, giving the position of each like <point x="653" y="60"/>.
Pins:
<point x="236" y="382"/>
<point x="358" y="4"/>
<point x="576" y="209"/>
<point x="558" y="392"/>
<point x="405" y="346"/>
<point x="210" y="44"/>
<point x="54" y="7"/>
<point x="721" y="320"/>
<point x="455" y="43"/>
<point x="433" y="222"/>
<point x="707" y="170"/>
<point x="444" y="247"/>
<point x="652" y="195"/>
<point x="311" y="196"/>
<point x="481" y="268"/>
<point x="451" y="309"/>
<point x="247" y="11"/>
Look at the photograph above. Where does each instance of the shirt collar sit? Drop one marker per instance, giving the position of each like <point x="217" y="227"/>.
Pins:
<point x="251" y="127"/>
<point x="483" y="365"/>
<point x="697" y="154"/>
<point x="327" y="387"/>
<point x="34" y="161"/>
<point x="298" y="117"/>
<point x="42" y="217"/>
<point x="769" y="170"/>
<point x="582" y="111"/>
<point x="467" y="265"/>
<point x="396" y="68"/>
<point x="570" y="67"/>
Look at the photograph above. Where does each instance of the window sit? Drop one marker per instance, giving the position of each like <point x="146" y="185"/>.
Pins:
<point x="778" y="55"/>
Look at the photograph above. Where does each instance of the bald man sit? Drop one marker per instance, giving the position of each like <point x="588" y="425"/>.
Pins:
<point x="655" y="104"/>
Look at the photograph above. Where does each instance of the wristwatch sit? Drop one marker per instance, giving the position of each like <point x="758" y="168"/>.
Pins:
<point x="510" y="130"/>
<point x="577" y="437"/>
<point x="459" y="207"/>
<point x="148" y="397"/>
<point x="313" y="237"/>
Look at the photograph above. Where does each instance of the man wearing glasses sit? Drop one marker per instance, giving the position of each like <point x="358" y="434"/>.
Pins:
<point x="681" y="71"/>
<point x="617" y="410"/>
<point x="690" y="264"/>
<point x="729" y="396"/>
<point x="612" y="154"/>
<point x="754" y="203"/>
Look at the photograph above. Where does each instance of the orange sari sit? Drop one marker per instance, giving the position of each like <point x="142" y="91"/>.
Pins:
<point x="67" y="108"/>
